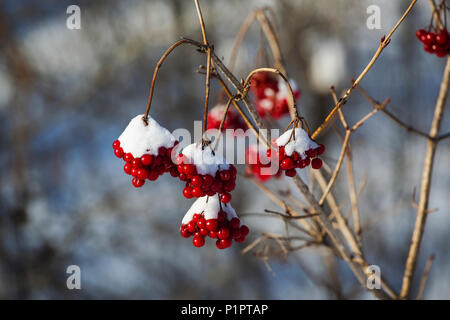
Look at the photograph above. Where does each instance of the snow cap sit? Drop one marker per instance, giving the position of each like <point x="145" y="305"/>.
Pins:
<point x="300" y="142"/>
<point x="210" y="207"/>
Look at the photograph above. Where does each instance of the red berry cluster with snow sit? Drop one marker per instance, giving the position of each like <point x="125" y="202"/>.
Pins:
<point x="437" y="43"/>
<point x="258" y="163"/>
<point x="208" y="217"/>
<point x="205" y="172"/>
<point x="146" y="150"/>
<point x="232" y="120"/>
<point x="271" y="94"/>
<point x="297" y="150"/>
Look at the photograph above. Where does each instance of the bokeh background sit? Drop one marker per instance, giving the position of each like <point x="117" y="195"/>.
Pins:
<point x="66" y="95"/>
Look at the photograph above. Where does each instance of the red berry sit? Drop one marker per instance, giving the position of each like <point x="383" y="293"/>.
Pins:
<point x="229" y="186"/>
<point x="212" y="224"/>
<point x="240" y="239"/>
<point x="191" y="227"/>
<point x="127" y="168"/>
<point x="197" y="181"/>
<point x="134" y="172"/>
<point x="441" y="52"/>
<point x="244" y="230"/>
<point x="430" y="38"/>
<point x="236" y="233"/>
<point x="420" y="33"/>
<point x="116" y="144"/>
<point x="187" y="192"/>
<point x="226" y="243"/>
<point x="128" y="157"/>
<point x="442" y="37"/>
<point x="290" y="173"/>
<point x="225" y="197"/>
<point x="212" y="234"/>
<point x="196" y="216"/>
<point x="320" y="149"/>
<point x="118" y="152"/>
<point x="235" y="223"/>
<point x="185" y="233"/>
<point x="198" y="241"/>
<point x="174" y="172"/>
<point x="219" y="245"/>
<point x="217" y="186"/>
<point x="204" y="232"/>
<point x="162" y="151"/>
<point x="153" y="175"/>
<point x="142" y="174"/>
<point x="316" y="163"/>
<point x="225" y="175"/>
<point x="146" y="159"/>
<point x="138" y="182"/>
<point x="311" y="153"/>
<point x="223" y="233"/>
<point x="233" y="170"/>
<point x="188" y="169"/>
<point x="287" y="164"/>
<point x="207" y="180"/>
<point x="136" y="163"/>
<point x="197" y="192"/>
<point x="201" y="223"/>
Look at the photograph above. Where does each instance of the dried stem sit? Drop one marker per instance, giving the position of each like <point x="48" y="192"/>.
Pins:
<point x="424" y="196"/>
<point x="383" y="43"/>
<point x="423" y="280"/>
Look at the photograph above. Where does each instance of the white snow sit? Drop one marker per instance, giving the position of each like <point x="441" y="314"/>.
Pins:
<point x="205" y="161"/>
<point x="140" y="139"/>
<point x="283" y="90"/>
<point x="300" y="144"/>
<point x="210" y="207"/>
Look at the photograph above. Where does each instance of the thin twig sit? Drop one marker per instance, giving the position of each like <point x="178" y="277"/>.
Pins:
<point x="425" y="187"/>
<point x="423" y="280"/>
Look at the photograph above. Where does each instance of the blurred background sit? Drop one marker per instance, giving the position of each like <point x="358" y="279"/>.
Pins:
<point x="66" y="95"/>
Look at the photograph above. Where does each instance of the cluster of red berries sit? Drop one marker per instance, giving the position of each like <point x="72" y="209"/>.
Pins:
<point x="232" y="119"/>
<point x="221" y="229"/>
<point x="256" y="167"/>
<point x="271" y="95"/>
<point x="437" y="43"/>
<point x="200" y="185"/>
<point x="147" y="166"/>
<point x="289" y="163"/>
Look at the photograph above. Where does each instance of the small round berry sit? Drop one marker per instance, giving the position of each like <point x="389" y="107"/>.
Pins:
<point x="430" y="38"/>
<point x="226" y="243"/>
<point x="196" y="216"/>
<point x="118" y="152"/>
<point x="134" y="172"/>
<point x="196" y="192"/>
<point x="290" y="173"/>
<point x="127" y="168"/>
<point x="197" y="181"/>
<point x="201" y="223"/>
<point x="128" y="157"/>
<point x="207" y="180"/>
<point x="212" y="224"/>
<point x="162" y="151"/>
<point x="235" y="223"/>
<point x="191" y="227"/>
<point x="146" y="159"/>
<point x="153" y="175"/>
<point x="240" y="239"/>
<point x="316" y="163"/>
<point x="420" y="33"/>
<point x="219" y="245"/>
<point x="223" y="233"/>
<point x="233" y="170"/>
<point x="142" y="174"/>
<point x="174" y="172"/>
<point x="217" y="186"/>
<point x="116" y="144"/>
<point x="244" y="230"/>
<point x="225" y="197"/>
<point x="320" y="149"/>
<point x="229" y="186"/>
<point x="225" y="175"/>
<point x="136" y="163"/>
<point x="185" y="233"/>
<point x="236" y="233"/>
<point x="188" y="169"/>
<point x="187" y="193"/>
<point x="442" y="37"/>
<point x="311" y="153"/>
<point x="204" y="232"/>
<point x="212" y="234"/>
<point x="198" y="241"/>
<point x="138" y="182"/>
<point x="287" y="164"/>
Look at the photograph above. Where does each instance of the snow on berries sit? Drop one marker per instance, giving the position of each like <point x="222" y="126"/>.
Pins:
<point x="232" y="120"/>
<point x="146" y="150"/>
<point x="208" y="217"/>
<point x="258" y="162"/>
<point x="205" y="173"/>
<point x="271" y="94"/>
<point x="297" y="150"/>
<point x="437" y="43"/>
